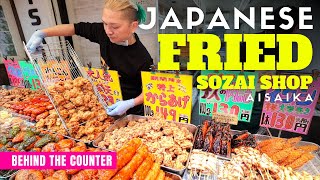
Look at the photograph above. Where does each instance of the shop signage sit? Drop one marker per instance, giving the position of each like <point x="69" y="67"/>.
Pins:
<point x="30" y="77"/>
<point x="167" y="95"/>
<point x="234" y="102"/>
<point x="14" y="72"/>
<point x="290" y="110"/>
<point x="107" y="84"/>
<point x="35" y="15"/>
<point x="225" y="118"/>
<point x="54" y="71"/>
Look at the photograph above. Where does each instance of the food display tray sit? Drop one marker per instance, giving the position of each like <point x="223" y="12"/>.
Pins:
<point x="123" y="122"/>
<point x="312" y="167"/>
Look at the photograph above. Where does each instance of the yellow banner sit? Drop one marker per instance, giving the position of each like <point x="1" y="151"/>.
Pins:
<point x="108" y="84"/>
<point x="167" y="95"/>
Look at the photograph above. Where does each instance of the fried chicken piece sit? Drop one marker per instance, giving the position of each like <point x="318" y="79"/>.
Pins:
<point x="58" y="99"/>
<point x="88" y="115"/>
<point x="74" y="92"/>
<point x="86" y="98"/>
<point x="29" y="175"/>
<point x="61" y="175"/>
<point x="186" y="144"/>
<point x="68" y="84"/>
<point x="69" y="106"/>
<point x="78" y="101"/>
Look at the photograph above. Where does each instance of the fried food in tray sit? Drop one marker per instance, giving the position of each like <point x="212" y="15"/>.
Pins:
<point x="130" y="158"/>
<point x="80" y="109"/>
<point x="12" y="96"/>
<point x="202" y="163"/>
<point x="169" y="143"/>
<point x="214" y="138"/>
<point x="286" y="152"/>
<point x="249" y="163"/>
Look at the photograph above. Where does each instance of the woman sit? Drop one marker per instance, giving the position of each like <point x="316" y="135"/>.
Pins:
<point x="120" y="48"/>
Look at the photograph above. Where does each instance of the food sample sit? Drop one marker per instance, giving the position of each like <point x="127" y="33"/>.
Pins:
<point x="249" y="163"/>
<point x="286" y="152"/>
<point x="243" y="139"/>
<point x="134" y="161"/>
<point x="165" y="140"/>
<point x="203" y="163"/>
<point x="15" y="95"/>
<point x="214" y="138"/>
<point x="80" y="109"/>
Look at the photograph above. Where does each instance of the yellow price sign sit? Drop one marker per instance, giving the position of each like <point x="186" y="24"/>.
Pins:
<point x="107" y="84"/>
<point x="167" y="95"/>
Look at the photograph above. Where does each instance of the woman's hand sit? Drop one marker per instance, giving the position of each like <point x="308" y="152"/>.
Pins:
<point x="120" y="107"/>
<point x="35" y="41"/>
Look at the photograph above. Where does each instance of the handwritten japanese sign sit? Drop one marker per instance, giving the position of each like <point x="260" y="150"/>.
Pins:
<point x="108" y="84"/>
<point x="290" y="110"/>
<point x="225" y="118"/>
<point x="54" y="71"/>
<point x="14" y="72"/>
<point x="226" y="101"/>
<point x="167" y="95"/>
<point x="30" y="77"/>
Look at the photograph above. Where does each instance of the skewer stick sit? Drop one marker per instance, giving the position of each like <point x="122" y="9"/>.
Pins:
<point x="279" y="134"/>
<point x="269" y="132"/>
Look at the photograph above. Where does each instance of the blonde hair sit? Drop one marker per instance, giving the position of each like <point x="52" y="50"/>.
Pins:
<point x="133" y="11"/>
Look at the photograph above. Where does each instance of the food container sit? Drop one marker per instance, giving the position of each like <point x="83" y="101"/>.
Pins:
<point x="123" y="122"/>
<point x="313" y="166"/>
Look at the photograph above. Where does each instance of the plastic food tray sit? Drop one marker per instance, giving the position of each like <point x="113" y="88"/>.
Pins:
<point x="123" y="123"/>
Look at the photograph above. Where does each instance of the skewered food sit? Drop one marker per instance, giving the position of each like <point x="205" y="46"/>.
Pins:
<point x="249" y="163"/>
<point x="286" y="152"/>
<point x="215" y="138"/>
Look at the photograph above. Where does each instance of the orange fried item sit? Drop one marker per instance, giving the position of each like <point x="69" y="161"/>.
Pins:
<point x="293" y="155"/>
<point x="126" y="173"/>
<point x="65" y="143"/>
<point x="301" y="160"/>
<point x="47" y="172"/>
<point x="61" y="175"/>
<point x="143" y="169"/>
<point x="124" y="155"/>
<point x="281" y="155"/>
<point x="29" y="175"/>
<point x="51" y="178"/>
<point x="154" y="171"/>
<point x="19" y="137"/>
<point x="268" y="142"/>
<point x="308" y="148"/>
<point x="161" y="175"/>
<point x="72" y="171"/>
<point x="50" y="147"/>
<point x="80" y="175"/>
